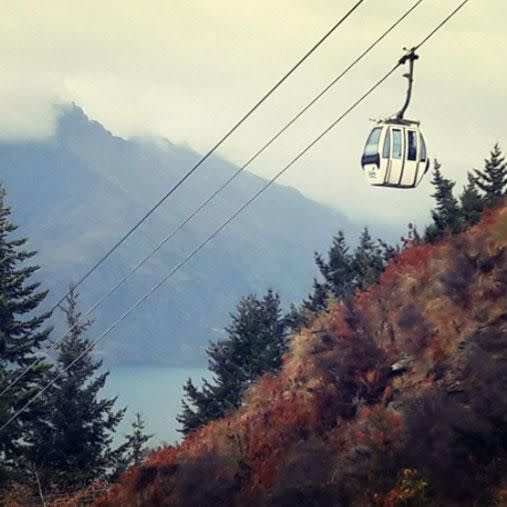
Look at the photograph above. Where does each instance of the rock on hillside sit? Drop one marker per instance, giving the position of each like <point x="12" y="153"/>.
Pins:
<point x="398" y="398"/>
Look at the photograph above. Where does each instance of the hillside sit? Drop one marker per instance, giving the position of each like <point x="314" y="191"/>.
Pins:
<point x="77" y="192"/>
<point x="398" y="398"/>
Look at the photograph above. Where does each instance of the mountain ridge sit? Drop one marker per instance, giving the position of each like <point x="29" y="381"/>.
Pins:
<point x="77" y="192"/>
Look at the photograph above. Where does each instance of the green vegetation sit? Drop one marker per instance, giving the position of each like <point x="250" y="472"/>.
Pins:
<point x="63" y="439"/>
<point x="483" y="190"/>
<point x="492" y="180"/>
<point x="257" y="340"/>
<point x="72" y="441"/>
<point x="22" y="331"/>
<point x="344" y="273"/>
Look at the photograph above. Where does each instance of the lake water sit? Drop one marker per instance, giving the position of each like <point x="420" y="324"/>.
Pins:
<point x="156" y="392"/>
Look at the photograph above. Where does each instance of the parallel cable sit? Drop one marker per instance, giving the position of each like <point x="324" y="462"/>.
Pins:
<point x="217" y="231"/>
<point x="441" y="24"/>
<point x="213" y="195"/>
<point x="209" y="153"/>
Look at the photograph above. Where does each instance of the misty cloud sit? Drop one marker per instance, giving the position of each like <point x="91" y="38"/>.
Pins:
<point x="187" y="71"/>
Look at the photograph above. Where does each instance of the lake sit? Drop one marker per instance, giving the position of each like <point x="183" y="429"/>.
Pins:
<point x="154" y="391"/>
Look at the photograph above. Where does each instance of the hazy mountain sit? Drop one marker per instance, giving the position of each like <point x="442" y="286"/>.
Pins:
<point x="76" y="194"/>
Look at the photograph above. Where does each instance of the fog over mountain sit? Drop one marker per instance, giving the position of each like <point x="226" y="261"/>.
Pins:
<point x="76" y="193"/>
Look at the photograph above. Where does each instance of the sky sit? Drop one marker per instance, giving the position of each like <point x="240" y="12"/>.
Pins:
<point x="187" y="70"/>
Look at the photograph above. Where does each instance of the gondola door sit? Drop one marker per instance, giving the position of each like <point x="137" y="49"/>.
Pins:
<point x="397" y="156"/>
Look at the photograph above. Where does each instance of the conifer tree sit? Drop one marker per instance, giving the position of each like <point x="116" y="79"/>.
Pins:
<point x="136" y="441"/>
<point x="72" y="445"/>
<point x="22" y="332"/>
<point x="492" y="180"/>
<point x="317" y="299"/>
<point x="447" y="213"/>
<point x="472" y="204"/>
<point x="257" y="339"/>
<point x="337" y="272"/>
<point x="368" y="262"/>
<point x="132" y="451"/>
<point x="295" y="318"/>
<point x="344" y="272"/>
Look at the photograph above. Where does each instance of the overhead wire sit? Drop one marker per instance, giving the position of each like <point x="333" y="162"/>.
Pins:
<point x="211" y="151"/>
<point x="217" y="231"/>
<point x="225" y="184"/>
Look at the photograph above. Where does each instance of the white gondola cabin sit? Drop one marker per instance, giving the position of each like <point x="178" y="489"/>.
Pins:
<point x="395" y="154"/>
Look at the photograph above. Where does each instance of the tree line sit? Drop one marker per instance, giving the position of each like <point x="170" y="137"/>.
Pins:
<point x="63" y="440"/>
<point x="260" y="331"/>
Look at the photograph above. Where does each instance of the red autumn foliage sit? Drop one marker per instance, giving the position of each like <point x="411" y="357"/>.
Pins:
<point x="336" y="422"/>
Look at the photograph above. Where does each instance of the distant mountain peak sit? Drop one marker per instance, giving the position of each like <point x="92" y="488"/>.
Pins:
<point x="72" y="122"/>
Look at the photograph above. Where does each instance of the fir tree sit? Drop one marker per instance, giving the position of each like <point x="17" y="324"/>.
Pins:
<point x="72" y="446"/>
<point x="492" y="180"/>
<point x="22" y="331"/>
<point x="368" y="262"/>
<point x="132" y="451"/>
<point x="317" y="299"/>
<point x="471" y="202"/>
<point x="136" y="441"/>
<point x="296" y="318"/>
<point x="447" y="213"/>
<point x="337" y="272"/>
<point x="344" y="272"/>
<point x="257" y="339"/>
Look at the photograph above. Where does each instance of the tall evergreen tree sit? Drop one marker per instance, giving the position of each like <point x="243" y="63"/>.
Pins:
<point x="296" y="318"/>
<point x="22" y="331"/>
<point x="344" y="272"/>
<point x="472" y="204"/>
<point x="447" y="213"/>
<point x="337" y="272"/>
<point x="257" y="339"/>
<point x="369" y="261"/>
<point x="492" y="180"/>
<point x="317" y="299"/>
<point x="72" y="445"/>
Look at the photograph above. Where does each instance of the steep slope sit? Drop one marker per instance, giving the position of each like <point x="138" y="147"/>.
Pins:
<point x="398" y="398"/>
<point x="75" y="194"/>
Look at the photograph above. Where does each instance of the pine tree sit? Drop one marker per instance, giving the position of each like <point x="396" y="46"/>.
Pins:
<point x="337" y="272"/>
<point x="472" y="204"/>
<point x="296" y="318"/>
<point x="22" y="332"/>
<point x="137" y="440"/>
<point x="132" y="451"/>
<point x="317" y="299"/>
<point x="447" y="213"/>
<point x="492" y="180"/>
<point x="257" y="340"/>
<point x="344" y="272"/>
<point x="368" y="262"/>
<point x="72" y="446"/>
